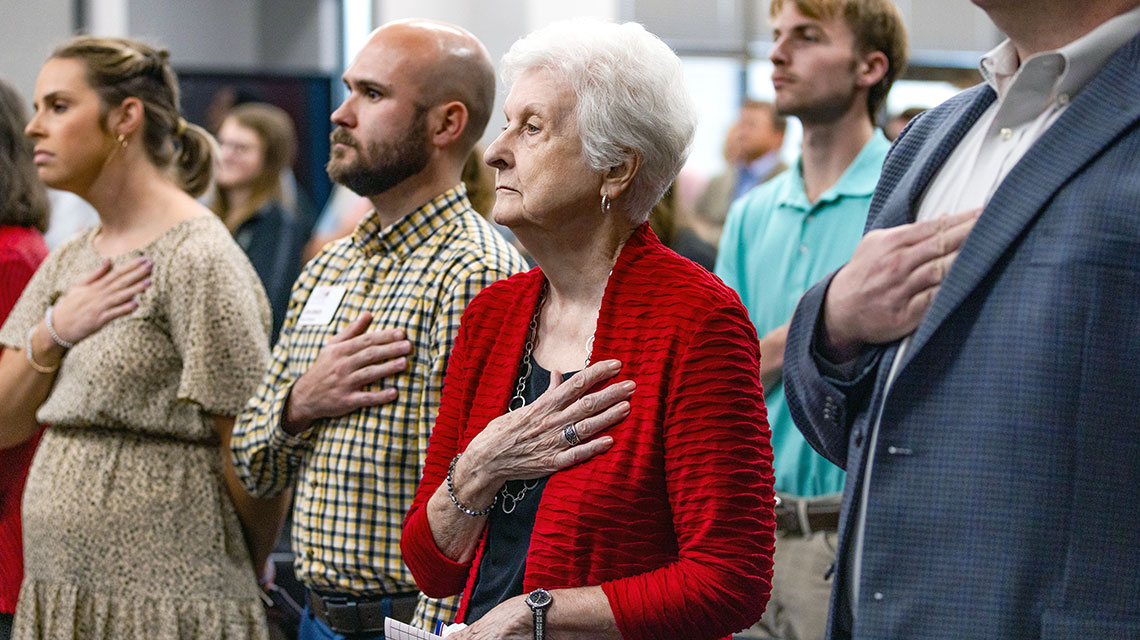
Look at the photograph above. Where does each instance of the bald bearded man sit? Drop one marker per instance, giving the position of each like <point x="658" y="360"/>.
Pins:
<point x="345" y="411"/>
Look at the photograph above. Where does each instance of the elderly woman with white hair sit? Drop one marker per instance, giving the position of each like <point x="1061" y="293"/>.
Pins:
<point x="634" y="498"/>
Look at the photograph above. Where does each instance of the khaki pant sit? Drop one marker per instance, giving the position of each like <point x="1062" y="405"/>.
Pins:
<point x="797" y="609"/>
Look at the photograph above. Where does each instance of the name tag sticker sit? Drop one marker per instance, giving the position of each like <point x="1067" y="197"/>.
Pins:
<point x="321" y="305"/>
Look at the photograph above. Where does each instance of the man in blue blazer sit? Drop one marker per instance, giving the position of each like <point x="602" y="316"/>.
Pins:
<point x="976" y="373"/>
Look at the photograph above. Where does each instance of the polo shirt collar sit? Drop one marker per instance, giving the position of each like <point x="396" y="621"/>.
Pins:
<point x="858" y="180"/>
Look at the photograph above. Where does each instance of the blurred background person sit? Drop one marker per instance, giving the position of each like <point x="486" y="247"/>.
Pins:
<point x="898" y="122"/>
<point x="752" y="151"/>
<point x="23" y="220"/>
<point x="225" y="100"/>
<point x="257" y="144"/>
<point x="672" y="225"/>
<point x="480" y="181"/>
<point x="606" y="512"/>
<point x="135" y="342"/>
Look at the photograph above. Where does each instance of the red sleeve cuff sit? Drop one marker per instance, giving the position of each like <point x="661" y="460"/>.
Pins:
<point x="436" y="575"/>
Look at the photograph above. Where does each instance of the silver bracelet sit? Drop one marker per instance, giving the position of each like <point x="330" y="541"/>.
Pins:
<point x="51" y="330"/>
<point x="451" y="492"/>
<point x="32" y="359"/>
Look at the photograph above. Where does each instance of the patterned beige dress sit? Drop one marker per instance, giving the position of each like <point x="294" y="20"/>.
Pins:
<point x="129" y="531"/>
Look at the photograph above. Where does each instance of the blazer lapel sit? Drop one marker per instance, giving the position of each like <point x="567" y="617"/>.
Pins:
<point x="901" y="204"/>
<point x="1098" y="115"/>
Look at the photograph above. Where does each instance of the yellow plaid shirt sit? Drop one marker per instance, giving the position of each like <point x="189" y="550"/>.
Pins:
<point x="356" y="475"/>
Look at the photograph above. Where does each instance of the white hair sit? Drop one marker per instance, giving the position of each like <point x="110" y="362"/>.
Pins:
<point x="631" y="95"/>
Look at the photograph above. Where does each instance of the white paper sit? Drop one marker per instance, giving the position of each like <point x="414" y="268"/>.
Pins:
<point x="396" y="630"/>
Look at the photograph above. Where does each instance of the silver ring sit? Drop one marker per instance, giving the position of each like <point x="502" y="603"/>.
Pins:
<point x="571" y="435"/>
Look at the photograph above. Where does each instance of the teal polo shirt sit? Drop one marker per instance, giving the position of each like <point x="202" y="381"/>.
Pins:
<point x="775" y="246"/>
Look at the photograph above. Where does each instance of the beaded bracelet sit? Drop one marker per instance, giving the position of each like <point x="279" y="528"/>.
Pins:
<point x="451" y="492"/>
<point x="51" y="330"/>
<point x="32" y="359"/>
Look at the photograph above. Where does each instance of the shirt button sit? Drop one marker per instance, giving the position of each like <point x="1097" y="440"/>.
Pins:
<point x="367" y="287"/>
<point x="1006" y="133"/>
<point x="803" y="249"/>
<point x="878" y="595"/>
<point x="1063" y="99"/>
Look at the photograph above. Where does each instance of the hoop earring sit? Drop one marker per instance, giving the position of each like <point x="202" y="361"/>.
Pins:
<point x="605" y="204"/>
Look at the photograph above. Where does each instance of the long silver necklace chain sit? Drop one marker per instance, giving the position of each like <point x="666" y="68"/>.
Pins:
<point x="518" y="401"/>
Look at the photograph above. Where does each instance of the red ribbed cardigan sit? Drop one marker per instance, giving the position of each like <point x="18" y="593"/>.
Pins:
<point x="675" y="521"/>
<point x="21" y="252"/>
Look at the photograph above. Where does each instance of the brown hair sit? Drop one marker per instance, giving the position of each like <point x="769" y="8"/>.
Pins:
<point x="274" y="128"/>
<point x="779" y="122"/>
<point x="118" y="69"/>
<point x="876" y="25"/>
<point x="23" y="199"/>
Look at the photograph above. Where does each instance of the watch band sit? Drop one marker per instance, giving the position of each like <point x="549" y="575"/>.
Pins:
<point x="539" y="624"/>
<point x="539" y="601"/>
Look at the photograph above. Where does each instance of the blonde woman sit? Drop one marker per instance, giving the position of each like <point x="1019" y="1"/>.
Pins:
<point x="135" y="343"/>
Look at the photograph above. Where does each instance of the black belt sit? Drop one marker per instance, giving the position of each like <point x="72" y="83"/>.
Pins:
<point x="348" y="614"/>
<point x="803" y="516"/>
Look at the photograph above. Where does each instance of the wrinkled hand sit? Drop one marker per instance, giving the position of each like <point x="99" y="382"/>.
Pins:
<point x="882" y="294"/>
<point x="511" y="619"/>
<point x="335" y="383"/>
<point x="106" y="294"/>
<point x="529" y="443"/>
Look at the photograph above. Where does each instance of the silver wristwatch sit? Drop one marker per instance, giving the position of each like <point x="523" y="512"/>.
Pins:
<point x="539" y="601"/>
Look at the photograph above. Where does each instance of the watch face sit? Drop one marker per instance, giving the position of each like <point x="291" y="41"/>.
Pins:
<point x="538" y="599"/>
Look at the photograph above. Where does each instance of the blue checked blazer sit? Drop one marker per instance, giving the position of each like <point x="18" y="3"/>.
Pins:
<point x="1005" y="496"/>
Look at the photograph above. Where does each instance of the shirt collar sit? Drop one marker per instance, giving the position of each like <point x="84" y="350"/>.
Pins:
<point x="858" y="180"/>
<point x="410" y="231"/>
<point x="1057" y="74"/>
<point x="765" y="163"/>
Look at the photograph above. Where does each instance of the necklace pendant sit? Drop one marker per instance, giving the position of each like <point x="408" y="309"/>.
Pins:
<point x="509" y="503"/>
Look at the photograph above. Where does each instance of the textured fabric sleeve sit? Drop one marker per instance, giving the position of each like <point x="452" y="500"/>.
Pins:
<point x="26" y="303"/>
<point x="718" y="474"/>
<point x="821" y="405"/>
<point x="265" y="457"/>
<point x="219" y="322"/>
<point x="17" y="272"/>
<point x="436" y="574"/>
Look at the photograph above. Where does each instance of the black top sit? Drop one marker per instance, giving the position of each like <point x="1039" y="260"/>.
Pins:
<point x="508" y="534"/>
<point x="272" y="239"/>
